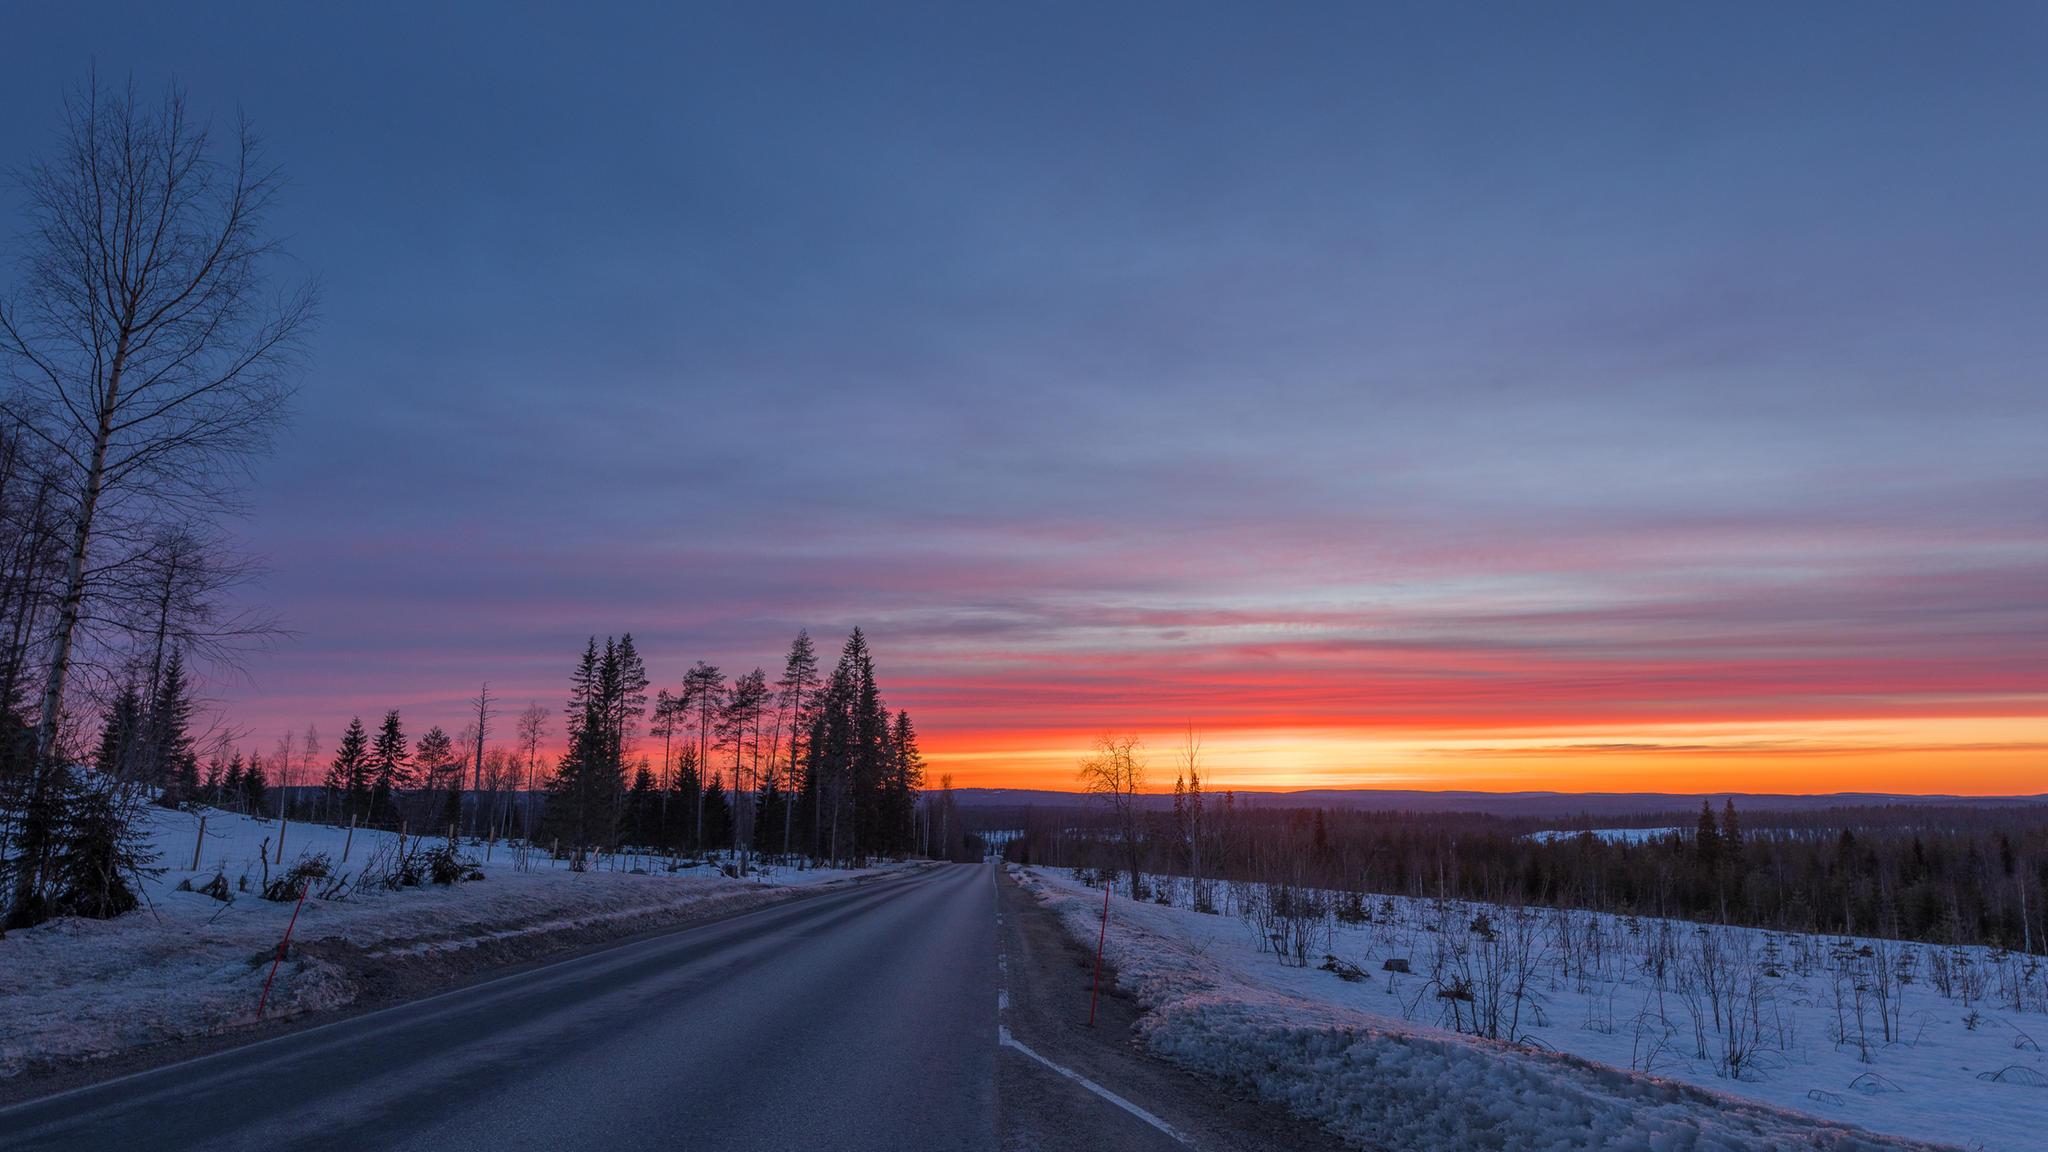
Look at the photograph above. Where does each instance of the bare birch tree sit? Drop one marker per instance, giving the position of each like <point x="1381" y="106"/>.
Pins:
<point x="484" y="712"/>
<point x="149" y="350"/>
<point x="1116" y="773"/>
<point x="533" y="728"/>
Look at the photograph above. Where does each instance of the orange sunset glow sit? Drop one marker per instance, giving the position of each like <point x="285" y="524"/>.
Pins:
<point x="1971" y="757"/>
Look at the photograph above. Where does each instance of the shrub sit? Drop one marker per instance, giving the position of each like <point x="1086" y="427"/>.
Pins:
<point x="294" y="881"/>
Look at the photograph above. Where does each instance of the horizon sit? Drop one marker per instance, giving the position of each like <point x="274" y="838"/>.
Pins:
<point x="1446" y="403"/>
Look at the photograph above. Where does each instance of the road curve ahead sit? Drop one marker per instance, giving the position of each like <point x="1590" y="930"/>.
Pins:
<point x="854" y="1020"/>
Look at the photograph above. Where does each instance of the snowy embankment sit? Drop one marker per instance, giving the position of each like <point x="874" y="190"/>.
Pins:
<point x="1605" y="1057"/>
<point x="188" y="964"/>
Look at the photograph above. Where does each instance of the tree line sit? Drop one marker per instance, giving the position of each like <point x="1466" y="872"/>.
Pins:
<point x="811" y="764"/>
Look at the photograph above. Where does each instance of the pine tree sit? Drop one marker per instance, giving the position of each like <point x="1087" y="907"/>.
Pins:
<point x="739" y="730"/>
<point x="702" y="701"/>
<point x="795" y="694"/>
<point x="434" y="759"/>
<point x="628" y="700"/>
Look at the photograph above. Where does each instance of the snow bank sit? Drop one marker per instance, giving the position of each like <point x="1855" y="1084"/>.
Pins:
<point x="188" y="965"/>
<point x="1394" y="1085"/>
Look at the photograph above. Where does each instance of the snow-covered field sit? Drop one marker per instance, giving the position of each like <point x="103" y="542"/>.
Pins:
<point x="1626" y="1033"/>
<point x="187" y="964"/>
<point x="1610" y="835"/>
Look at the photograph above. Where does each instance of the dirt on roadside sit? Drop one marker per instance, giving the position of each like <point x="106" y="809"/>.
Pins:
<point x="1047" y="978"/>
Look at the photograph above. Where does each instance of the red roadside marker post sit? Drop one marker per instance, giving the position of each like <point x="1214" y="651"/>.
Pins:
<point x="281" y="946"/>
<point x="1096" y="987"/>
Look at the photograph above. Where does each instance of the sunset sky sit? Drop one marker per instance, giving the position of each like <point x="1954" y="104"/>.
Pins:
<point x="1631" y="397"/>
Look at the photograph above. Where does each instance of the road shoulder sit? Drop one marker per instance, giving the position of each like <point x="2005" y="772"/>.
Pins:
<point x="1043" y="1104"/>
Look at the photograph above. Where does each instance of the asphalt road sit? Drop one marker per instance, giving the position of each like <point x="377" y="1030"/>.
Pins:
<point x="863" y="1019"/>
<point x="905" y="1015"/>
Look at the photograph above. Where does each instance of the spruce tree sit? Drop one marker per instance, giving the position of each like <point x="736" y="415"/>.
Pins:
<point x="1708" y="838"/>
<point x="684" y="795"/>
<point x="771" y="829"/>
<point x="230" y="795"/>
<point x="390" y="769"/>
<point x="171" y="760"/>
<point x="102" y="849"/>
<point x="642" y="810"/>
<point x="608" y="693"/>
<point x="116" y="756"/>
<point x="717" y="815"/>
<point x="566" y="817"/>
<point x="451" y="808"/>
<point x="906" y="782"/>
<point x="349" y="776"/>
<point x="255" y="786"/>
<point x="831" y="764"/>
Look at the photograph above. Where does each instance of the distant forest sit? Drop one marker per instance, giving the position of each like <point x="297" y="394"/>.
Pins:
<point x="1962" y="874"/>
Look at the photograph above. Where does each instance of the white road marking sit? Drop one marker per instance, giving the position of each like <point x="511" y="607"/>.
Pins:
<point x="1004" y="1038"/>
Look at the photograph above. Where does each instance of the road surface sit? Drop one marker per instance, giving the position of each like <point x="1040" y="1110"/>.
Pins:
<point x="876" y="1018"/>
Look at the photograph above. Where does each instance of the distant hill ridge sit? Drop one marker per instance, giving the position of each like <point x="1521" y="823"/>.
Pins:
<point x="1501" y="803"/>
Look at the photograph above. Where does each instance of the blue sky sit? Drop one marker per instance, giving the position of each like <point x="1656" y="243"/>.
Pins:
<point x="1069" y="348"/>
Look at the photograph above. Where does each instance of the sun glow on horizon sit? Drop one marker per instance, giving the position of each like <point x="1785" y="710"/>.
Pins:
<point x="1979" y="756"/>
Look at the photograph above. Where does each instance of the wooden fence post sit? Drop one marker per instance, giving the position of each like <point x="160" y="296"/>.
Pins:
<point x="199" y="842"/>
<point x="350" y="838"/>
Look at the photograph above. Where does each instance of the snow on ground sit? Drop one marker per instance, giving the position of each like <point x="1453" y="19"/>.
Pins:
<point x="187" y="964"/>
<point x="1610" y="835"/>
<point x="1606" y="1059"/>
